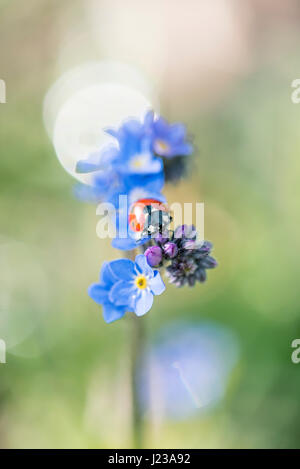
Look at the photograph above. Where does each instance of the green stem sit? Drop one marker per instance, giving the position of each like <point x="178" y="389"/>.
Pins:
<point x="137" y="352"/>
<point x="138" y="341"/>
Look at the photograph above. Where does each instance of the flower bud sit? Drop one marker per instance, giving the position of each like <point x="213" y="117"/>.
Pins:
<point x="170" y="250"/>
<point x="153" y="255"/>
<point x="185" y="231"/>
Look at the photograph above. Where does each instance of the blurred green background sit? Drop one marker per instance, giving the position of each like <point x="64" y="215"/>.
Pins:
<point x="226" y="70"/>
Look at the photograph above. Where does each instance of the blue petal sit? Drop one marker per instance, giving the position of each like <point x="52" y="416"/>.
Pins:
<point x="132" y="126"/>
<point x="161" y="126"/>
<point x="97" y="160"/>
<point x="184" y="149"/>
<point x="106" y="275"/>
<point x="127" y="244"/>
<point x="124" y="244"/>
<point x="155" y="166"/>
<point x="112" y="132"/>
<point x="156" y="284"/>
<point x="143" y="266"/>
<point x="148" y="119"/>
<point x="98" y="293"/>
<point x="92" y="163"/>
<point x="178" y="132"/>
<point x="146" y="144"/>
<point x="123" y="269"/>
<point x="122" y="293"/>
<point x="143" y="302"/>
<point x="87" y="193"/>
<point x="112" y="313"/>
<point x="154" y="182"/>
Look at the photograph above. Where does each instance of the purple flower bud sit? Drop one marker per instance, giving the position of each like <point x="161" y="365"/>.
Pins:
<point x="180" y="230"/>
<point x="170" y="250"/>
<point x="190" y="244"/>
<point x="185" y="231"/>
<point x="153" y="255"/>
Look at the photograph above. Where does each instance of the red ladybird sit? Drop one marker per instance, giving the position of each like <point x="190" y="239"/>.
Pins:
<point x="146" y="216"/>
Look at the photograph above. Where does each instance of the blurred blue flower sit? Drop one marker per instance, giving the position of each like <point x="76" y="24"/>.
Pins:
<point x="138" y="148"/>
<point x="167" y="140"/>
<point x="188" y="368"/>
<point x="135" y="155"/>
<point x="131" y="155"/>
<point x="126" y="286"/>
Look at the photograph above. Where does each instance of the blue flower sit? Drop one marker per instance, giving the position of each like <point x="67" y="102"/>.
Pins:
<point x="188" y="368"/>
<point x="139" y="146"/>
<point x="168" y="140"/>
<point x="99" y="292"/>
<point x="132" y="153"/>
<point x="126" y="286"/>
<point x="135" y="155"/>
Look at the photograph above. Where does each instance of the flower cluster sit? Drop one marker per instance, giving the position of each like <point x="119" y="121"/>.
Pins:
<point x="140" y="146"/>
<point x="187" y="258"/>
<point x="144" y="156"/>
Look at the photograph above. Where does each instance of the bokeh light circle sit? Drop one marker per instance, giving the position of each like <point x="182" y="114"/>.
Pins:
<point x="88" y="99"/>
<point x="79" y="128"/>
<point x="24" y="295"/>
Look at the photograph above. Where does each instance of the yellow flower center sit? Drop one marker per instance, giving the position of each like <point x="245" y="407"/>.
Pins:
<point x="139" y="160"/>
<point x="141" y="282"/>
<point x="161" y="146"/>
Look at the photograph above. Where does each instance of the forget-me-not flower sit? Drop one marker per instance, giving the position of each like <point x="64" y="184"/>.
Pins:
<point x="126" y="286"/>
<point x="135" y="153"/>
<point x="168" y="140"/>
<point x="131" y="154"/>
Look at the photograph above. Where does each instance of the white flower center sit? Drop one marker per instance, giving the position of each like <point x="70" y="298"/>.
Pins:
<point x="139" y="161"/>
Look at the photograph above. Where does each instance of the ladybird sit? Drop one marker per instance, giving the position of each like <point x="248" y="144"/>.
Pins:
<point x="148" y="217"/>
